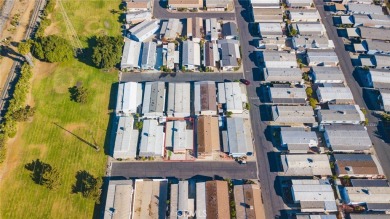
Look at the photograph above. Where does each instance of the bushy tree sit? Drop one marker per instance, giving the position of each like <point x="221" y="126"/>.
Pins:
<point x="107" y="52"/>
<point x="78" y="94"/>
<point x="88" y="185"/>
<point x="52" y="48"/>
<point x="44" y="174"/>
<point x="309" y="91"/>
<point x="24" y="47"/>
<point x="23" y="114"/>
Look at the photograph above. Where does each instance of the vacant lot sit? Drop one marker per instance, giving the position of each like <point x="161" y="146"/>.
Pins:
<point x="62" y="131"/>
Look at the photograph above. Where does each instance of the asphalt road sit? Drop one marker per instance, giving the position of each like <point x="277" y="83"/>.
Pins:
<point x="5" y="12"/>
<point x="273" y="203"/>
<point x="184" y="170"/>
<point x="160" y="12"/>
<point x="382" y="148"/>
<point x="180" y="77"/>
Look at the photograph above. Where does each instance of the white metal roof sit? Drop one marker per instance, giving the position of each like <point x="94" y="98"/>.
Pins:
<point x="347" y="137"/>
<point x="293" y="114"/>
<point x="154" y="99"/>
<point x="357" y="195"/>
<point x="282" y="74"/>
<point x="270" y="29"/>
<point x="149" y="55"/>
<point x="178" y="136"/>
<point x="298" y="137"/>
<point x="274" y="59"/>
<point x="239" y="137"/>
<point x="201" y="199"/>
<point x="179" y="98"/>
<point x="191" y="53"/>
<point x="327" y="73"/>
<point x="364" y="8"/>
<point x="174" y="28"/>
<point x="152" y="139"/>
<point x="309" y="28"/>
<point x="288" y="93"/>
<point x="126" y="139"/>
<point x="131" y="54"/>
<point x="304" y="15"/>
<point x="326" y="94"/>
<point x="341" y="114"/>
<point x="127" y="98"/>
<point x="306" y="164"/>
<point x="183" y="196"/>
<point x="300" y="3"/>
<point x="230" y="93"/>
<point x="144" y="28"/>
<point x="119" y="199"/>
<point x="322" y="56"/>
<point x="385" y="96"/>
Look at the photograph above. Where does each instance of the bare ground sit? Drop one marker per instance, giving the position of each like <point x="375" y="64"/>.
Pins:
<point x="24" y="8"/>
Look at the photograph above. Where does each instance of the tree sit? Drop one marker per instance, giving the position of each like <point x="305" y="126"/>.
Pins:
<point x="52" y="179"/>
<point x="385" y="117"/>
<point x="23" y="114"/>
<point x="79" y="94"/>
<point x="107" y="52"/>
<point x="24" y="47"/>
<point x="139" y="125"/>
<point x="247" y="106"/>
<point x="293" y="32"/>
<point x="44" y="174"/>
<point x="52" y="48"/>
<point x="313" y="102"/>
<point x="309" y="91"/>
<point x="88" y="185"/>
<point x="229" y="113"/>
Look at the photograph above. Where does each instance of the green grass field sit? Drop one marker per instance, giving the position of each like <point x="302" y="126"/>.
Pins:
<point x="43" y="139"/>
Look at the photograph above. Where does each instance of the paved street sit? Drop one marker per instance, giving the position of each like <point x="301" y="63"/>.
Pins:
<point x="272" y="202"/>
<point x="382" y="149"/>
<point x="184" y="170"/>
<point x="180" y="77"/>
<point x="162" y="13"/>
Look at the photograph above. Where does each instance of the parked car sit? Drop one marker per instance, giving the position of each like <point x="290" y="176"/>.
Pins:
<point x="244" y="81"/>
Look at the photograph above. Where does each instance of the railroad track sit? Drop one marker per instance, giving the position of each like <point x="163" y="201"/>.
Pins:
<point x="7" y="89"/>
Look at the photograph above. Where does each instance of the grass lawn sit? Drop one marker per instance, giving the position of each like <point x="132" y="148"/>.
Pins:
<point x="43" y="139"/>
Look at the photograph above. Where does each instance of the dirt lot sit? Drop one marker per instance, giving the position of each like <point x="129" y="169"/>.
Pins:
<point x="24" y="9"/>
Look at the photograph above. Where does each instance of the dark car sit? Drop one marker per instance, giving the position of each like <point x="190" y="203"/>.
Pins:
<point x="244" y="81"/>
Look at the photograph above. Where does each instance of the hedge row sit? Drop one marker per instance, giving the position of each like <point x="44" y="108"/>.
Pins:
<point x="45" y="22"/>
<point x="8" y="126"/>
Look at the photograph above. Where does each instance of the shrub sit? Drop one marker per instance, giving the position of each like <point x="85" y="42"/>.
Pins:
<point x="52" y="48"/>
<point x="107" y="52"/>
<point x="309" y="91"/>
<point x="25" y="47"/>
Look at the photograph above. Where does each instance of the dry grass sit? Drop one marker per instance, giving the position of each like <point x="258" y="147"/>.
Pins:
<point x="42" y="139"/>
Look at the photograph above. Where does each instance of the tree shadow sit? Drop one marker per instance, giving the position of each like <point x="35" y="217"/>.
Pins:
<point x="98" y="210"/>
<point x="8" y="52"/>
<point x="38" y="168"/>
<point x="109" y="139"/>
<point x="73" y="93"/>
<point x="78" y="137"/>
<point x="86" y="56"/>
<point x="83" y="183"/>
